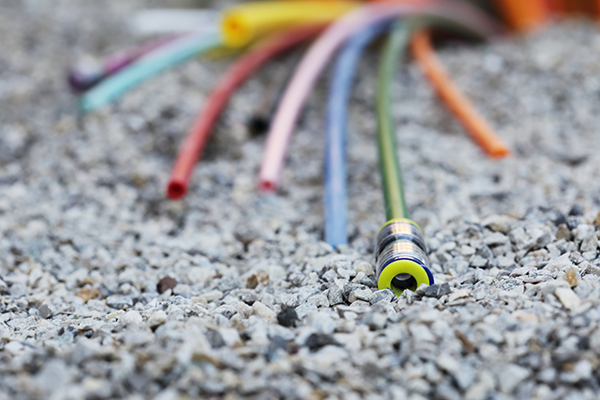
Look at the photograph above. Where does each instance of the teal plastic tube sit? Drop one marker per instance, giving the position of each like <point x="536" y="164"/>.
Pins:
<point x="148" y="66"/>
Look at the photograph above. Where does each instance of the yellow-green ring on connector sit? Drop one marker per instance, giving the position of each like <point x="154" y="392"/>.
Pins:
<point x="402" y="267"/>
<point x="399" y="220"/>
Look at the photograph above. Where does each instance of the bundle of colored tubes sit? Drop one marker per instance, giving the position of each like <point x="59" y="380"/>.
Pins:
<point x="261" y="31"/>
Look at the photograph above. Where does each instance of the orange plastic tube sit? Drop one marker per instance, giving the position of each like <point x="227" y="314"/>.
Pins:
<point x="557" y="7"/>
<point x="197" y="137"/>
<point x="523" y="15"/>
<point x="480" y="131"/>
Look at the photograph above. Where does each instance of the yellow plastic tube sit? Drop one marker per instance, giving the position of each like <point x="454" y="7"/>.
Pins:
<point x="247" y="22"/>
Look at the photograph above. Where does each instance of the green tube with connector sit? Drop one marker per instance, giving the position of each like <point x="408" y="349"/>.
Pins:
<point x="402" y="262"/>
<point x="401" y="256"/>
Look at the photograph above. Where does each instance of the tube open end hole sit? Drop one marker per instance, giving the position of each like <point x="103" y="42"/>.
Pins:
<point x="266" y="186"/>
<point x="176" y="190"/>
<point x="404" y="281"/>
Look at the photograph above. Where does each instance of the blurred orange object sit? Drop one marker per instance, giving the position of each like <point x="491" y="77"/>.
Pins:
<point x="523" y="15"/>
<point x="563" y="8"/>
<point x="477" y="127"/>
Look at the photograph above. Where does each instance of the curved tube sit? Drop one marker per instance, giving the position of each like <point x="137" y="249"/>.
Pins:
<point x="81" y="80"/>
<point x="335" y="149"/>
<point x="245" y="23"/>
<point x="315" y="60"/>
<point x="389" y="165"/>
<point x="477" y="127"/>
<point x="197" y="137"/>
<point x="147" y="66"/>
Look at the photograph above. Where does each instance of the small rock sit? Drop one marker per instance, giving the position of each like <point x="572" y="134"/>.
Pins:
<point x="119" y="302"/>
<point x="583" y="232"/>
<point x="287" y="317"/>
<point x="338" y="261"/>
<point x="213" y="295"/>
<point x="263" y="311"/>
<point x="589" y="244"/>
<point x="277" y="343"/>
<point x="458" y="294"/>
<point x="447" y="247"/>
<point x="317" y="341"/>
<point x="478" y="261"/>
<point x="512" y="285"/>
<point x="88" y="293"/>
<point x="597" y="219"/>
<point x="3" y="286"/>
<point x="524" y="316"/>
<point x="214" y="338"/>
<point x="559" y="263"/>
<point x="304" y="309"/>
<point x="256" y="278"/>
<point x="46" y="311"/>
<point x="465" y="376"/>
<point x="437" y="290"/>
<point x="359" y="294"/>
<point x="467" y="250"/>
<point x="248" y="297"/>
<point x="572" y="276"/>
<point x="381" y="295"/>
<point x="319" y="300"/>
<point x="157" y="318"/>
<point x="576" y="211"/>
<point x="226" y="285"/>
<point x="511" y="376"/>
<point x="18" y="290"/>
<point x="243" y="310"/>
<point x="54" y="374"/>
<point x="335" y="295"/>
<point x="375" y="320"/>
<point x="447" y="363"/>
<point x="592" y="269"/>
<point x="165" y="284"/>
<point x="498" y="223"/>
<point x="582" y="371"/>
<point x="522" y="271"/>
<point x="365" y="267"/>
<point x="563" y="232"/>
<point x="321" y="322"/>
<point x="458" y="265"/>
<point x="132" y="317"/>
<point x="568" y="298"/>
<point x="496" y="239"/>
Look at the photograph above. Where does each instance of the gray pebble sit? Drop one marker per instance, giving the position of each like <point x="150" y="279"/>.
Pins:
<point x="381" y="295"/>
<point x="119" y="302"/>
<point x="335" y="295"/>
<point x="438" y="290"/>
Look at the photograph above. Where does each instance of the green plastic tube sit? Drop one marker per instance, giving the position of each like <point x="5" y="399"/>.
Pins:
<point x="389" y="165"/>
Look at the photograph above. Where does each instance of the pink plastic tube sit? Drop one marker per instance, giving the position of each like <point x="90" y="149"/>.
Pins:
<point x="315" y="60"/>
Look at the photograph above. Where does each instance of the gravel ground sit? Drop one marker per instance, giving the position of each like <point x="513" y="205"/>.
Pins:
<point x="107" y="290"/>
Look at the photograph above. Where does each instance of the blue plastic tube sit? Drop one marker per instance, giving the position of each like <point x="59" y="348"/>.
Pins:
<point x="151" y="64"/>
<point x="335" y="151"/>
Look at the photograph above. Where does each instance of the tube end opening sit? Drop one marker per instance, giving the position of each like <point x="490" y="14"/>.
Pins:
<point x="499" y="152"/>
<point x="235" y="30"/>
<point x="176" y="190"/>
<point x="404" y="281"/>
<point x="267" y="186"/>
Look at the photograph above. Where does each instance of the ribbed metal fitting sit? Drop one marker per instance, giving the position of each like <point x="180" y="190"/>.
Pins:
<point x="402" y="241"/>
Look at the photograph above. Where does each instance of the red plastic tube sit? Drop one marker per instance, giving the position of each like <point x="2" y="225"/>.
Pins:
<point x="245" y="66"/>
